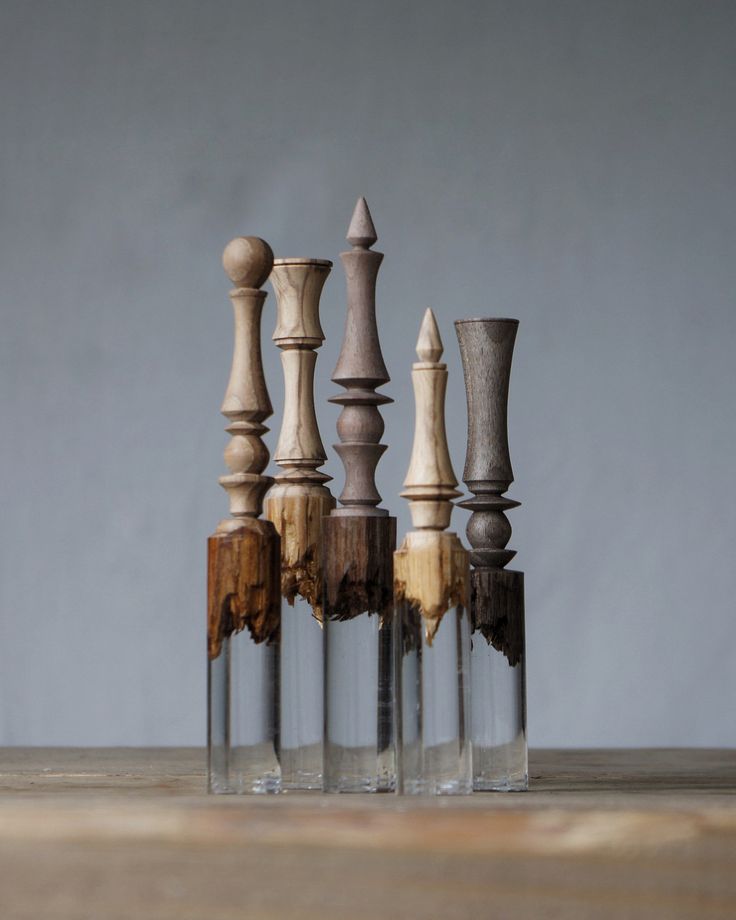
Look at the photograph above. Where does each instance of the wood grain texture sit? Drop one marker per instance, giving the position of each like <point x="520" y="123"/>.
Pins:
<point x="243" y="572"/>
<point x="430" y="481"/>
<point x="360" y="369"/>
<point x="243" y="554"/>
<point x="358" y="565"/>
<point x="298" y="512"/>
<point x="299" y="499"/>
<point x="247" y="261"/>
<point x="431" y="566"/>
<point x="497" y="610"/>
<point x="130" y="833"/>
<point x="486" y="350"/>
<point x="431" y="575"/>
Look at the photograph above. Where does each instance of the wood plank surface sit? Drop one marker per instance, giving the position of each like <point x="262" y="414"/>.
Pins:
<point x="128" y="833"/>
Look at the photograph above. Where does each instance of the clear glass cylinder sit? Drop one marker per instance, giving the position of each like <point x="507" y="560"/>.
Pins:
<point x="498" y="719"/>
<point x="360" y="729"/>
<point x="242" y="722"/>
<point x="434" y="684"/>
<point x="302" y="696"/>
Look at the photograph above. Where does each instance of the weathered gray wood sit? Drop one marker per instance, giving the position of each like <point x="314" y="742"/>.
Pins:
<point x="497" y="610"/>
<point x="359" y="537"/>
<point x="130" y="833"/>
<point x="360" y="369"/>
<point x="486" y="349"/>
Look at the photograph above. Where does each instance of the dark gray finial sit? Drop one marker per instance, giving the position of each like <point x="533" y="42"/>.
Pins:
<point x="360" y="369"/>
<point x="486" y="349"/>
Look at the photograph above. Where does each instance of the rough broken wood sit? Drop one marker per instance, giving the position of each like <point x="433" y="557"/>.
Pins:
<point x="358" y="565"/>
<point x="497" y="605"/>
<point x="431" y="575"/>
<point x="298" y="513"/>
<point x="243" y="569"/>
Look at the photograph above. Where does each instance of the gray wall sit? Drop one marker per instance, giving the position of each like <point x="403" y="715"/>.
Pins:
<point x="569" y="163"/>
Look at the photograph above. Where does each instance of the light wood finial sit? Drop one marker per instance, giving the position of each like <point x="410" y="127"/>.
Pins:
<point x="299" y="500"/>
<point x="429" y="343"/>
<point x="243" y="553"/>
<point x="430" y="482"/>
<point x="431" y="566"/>
<point x="247" y="261"/>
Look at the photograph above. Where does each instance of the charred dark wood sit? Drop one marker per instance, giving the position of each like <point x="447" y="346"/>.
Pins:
<point x="358" y="565"/>
<point x="497" y="609"/>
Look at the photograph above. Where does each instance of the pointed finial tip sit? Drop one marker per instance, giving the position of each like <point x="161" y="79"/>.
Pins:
<point x="429" y="343"/>
<point x="361" y="232"/>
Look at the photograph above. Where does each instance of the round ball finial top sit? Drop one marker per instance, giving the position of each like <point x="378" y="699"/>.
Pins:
<point x="361" y="232"/>
<point x="248" y="261"/>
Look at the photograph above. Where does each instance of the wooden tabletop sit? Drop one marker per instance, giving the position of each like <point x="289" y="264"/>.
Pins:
<point x="129" y="833"/>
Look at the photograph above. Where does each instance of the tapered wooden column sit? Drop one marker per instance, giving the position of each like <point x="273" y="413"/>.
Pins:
<point x="486" y="349"/>
<point x="299" y="500"/>
<point x="431" y="565"/>
<point x="243" y="553"/>
<point x="359" y="537"/>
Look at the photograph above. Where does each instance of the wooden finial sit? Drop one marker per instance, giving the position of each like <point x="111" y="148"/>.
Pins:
<point x="486" y="349"/>
<point x="430" y="482"/>
<point x="243" y="554"/>
<point x="359" y="538"/>
<point x="299" y="500"/>
<point x="247" y="261"/>
<point x="431" y="566"/>
<point x="361" y="232"/>
<point x="360" y="369"/>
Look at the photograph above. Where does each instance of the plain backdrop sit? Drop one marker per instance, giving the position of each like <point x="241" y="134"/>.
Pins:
<point x="572" y="164"/>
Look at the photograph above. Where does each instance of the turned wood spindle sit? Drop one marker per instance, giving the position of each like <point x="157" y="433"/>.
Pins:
<point x="299" y="499"/>
<point x="486" y="350"/>
<point x="360" y="537"/>
<point x="360" y="369"/>
<point x="431" y="566"/>
<point x="243" y="553"/>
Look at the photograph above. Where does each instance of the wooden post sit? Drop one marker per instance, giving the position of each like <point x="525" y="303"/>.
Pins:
<point x="243" y="553"/>
<point x="431" y="566"/>
<point x="486" y="349"/>
<point x="360" y="537"/>
<point x="299" y="500"/>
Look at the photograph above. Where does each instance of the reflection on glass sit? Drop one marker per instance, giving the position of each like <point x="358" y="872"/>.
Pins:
<point x="435" y="704"/>
<point x="498" y="719"/>
<point x="360" y="731"/>
<point x="302" y="696"/>
<point x="243" y="717"/>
